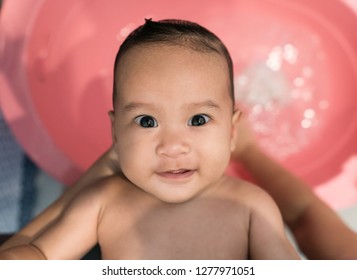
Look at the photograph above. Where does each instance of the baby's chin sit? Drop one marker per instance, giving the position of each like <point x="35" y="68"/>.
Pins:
<point x="175" y="197"/>
<point x="172" y="190"/>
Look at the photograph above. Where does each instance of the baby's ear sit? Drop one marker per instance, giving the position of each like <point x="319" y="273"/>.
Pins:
<point x="111" y="116"/>
<point x="235" y="120"/>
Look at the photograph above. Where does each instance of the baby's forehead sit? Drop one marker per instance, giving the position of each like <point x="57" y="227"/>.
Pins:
<point x="173" y="58"/>
<point x="137" y="62"/>
<point x="139" y="54"/>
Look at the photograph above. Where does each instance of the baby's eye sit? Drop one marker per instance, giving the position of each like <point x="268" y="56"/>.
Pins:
<point x="146" y="121"/>
<point x="199" y="120"/>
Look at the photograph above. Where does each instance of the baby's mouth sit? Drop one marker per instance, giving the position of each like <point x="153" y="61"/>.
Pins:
<point x="180" y="171"/>
<point x="177" y="174"/>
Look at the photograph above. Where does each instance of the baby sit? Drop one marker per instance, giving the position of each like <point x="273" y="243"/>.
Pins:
<point x="173" y="130"/>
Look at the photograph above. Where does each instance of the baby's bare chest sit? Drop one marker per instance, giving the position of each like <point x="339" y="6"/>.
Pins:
<point x="208" y="231"/>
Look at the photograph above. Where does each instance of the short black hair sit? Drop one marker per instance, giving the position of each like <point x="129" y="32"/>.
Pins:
<point x="174" y="32"/>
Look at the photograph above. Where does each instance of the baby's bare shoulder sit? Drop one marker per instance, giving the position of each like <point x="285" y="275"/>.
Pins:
<point x="241" y="186"/>
<point x="104" y="190"/>
<point x="246" y="192"/>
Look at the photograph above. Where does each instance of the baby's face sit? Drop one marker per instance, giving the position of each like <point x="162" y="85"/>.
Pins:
<point x="173" y="120"/>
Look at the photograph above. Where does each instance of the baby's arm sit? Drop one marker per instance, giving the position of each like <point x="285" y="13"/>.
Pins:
<point x="105" y="166"/>
<point x="267" y="238"/>
<point x="71" y="235"/>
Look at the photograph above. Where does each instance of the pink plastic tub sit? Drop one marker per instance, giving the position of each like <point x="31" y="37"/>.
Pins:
<point x="295" y="72"/>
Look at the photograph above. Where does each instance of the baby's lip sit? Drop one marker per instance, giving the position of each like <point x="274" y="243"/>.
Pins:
<point x="177" y="173"/>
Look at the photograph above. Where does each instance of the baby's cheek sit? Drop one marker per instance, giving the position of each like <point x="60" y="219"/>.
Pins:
<point x="130" y="169"/>
<point x="218" y="158"/>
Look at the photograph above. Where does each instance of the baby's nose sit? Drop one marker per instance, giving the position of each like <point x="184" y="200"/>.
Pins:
<point x="173" y="145"/>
